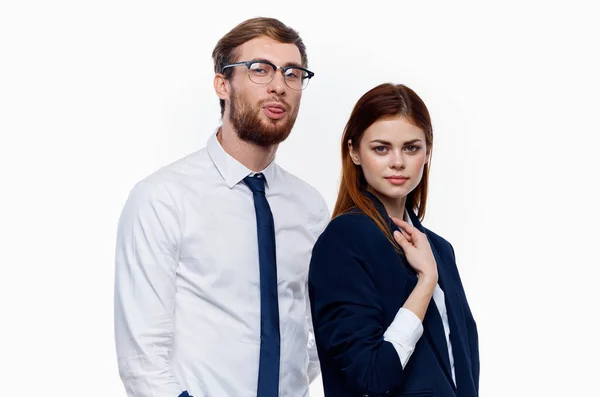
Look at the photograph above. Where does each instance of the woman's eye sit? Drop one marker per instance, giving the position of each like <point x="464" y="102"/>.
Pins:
<point x="380" y="149"/>
<point x="412" y="148"/>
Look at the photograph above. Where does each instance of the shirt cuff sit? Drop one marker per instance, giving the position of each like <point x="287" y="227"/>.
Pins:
<point x="404" y="333"/>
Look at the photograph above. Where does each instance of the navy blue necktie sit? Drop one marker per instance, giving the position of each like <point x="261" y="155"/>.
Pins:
<point x="268" y="368"/>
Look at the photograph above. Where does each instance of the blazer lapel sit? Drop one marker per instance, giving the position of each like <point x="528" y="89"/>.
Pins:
<point x="393" y="227"/>
<point x="433" y="324"/>
<point x="458" y="337"/>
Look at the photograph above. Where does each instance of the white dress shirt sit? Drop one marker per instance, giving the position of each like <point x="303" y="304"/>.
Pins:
<point x="187" y="285"/>
<point x="406" y="329"/>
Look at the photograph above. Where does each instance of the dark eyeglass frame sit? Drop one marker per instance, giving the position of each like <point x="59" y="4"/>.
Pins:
<point x="283" y="69"/>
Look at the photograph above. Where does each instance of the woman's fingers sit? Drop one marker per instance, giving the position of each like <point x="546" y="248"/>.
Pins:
<point x="402" y="240"/>
<point x="408" y="230"/>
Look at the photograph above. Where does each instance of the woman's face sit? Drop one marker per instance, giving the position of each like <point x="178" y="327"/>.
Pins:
<point x="392" y="154"/>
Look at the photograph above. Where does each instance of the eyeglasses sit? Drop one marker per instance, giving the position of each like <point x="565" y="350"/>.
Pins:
<point x="263" y="72"/>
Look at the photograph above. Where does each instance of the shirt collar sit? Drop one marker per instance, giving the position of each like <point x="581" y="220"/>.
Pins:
<point x="232" y="171"/>
<point x="407" y="217"/>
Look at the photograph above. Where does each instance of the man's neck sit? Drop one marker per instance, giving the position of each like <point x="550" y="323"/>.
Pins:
<point x="251" y="156"/>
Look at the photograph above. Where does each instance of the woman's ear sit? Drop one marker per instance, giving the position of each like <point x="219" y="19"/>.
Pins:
<point x="428" y="157"/>
<point x="353" y="153"/>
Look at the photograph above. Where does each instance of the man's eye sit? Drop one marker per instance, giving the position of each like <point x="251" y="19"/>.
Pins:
<point x="293" y="74"/>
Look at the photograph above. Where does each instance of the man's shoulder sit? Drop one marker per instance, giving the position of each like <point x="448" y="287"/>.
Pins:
<point x="304" y="190"/>
<point x="171" y="178"/>
<point x="189" y="166"/>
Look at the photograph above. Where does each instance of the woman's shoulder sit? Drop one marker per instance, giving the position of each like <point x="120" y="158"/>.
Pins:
<point x="346" y="244"/>
<point x="352" y="223"/>
<point x="434" y="236"/>
<point x="353" y="229"/>
<point x="439" y="242"/>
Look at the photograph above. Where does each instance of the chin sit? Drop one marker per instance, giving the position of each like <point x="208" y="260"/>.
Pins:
<point x="397" y="194"/>
<point x="267" y="121"/>
<point x="392" y="193"/>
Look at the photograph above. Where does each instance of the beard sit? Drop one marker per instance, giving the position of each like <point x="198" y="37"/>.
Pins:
<point x="250" y="128"/>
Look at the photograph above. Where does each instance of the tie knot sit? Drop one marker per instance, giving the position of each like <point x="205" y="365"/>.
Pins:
<point x="256" y="183"/>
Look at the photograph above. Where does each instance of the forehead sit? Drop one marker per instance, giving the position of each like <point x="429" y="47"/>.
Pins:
<point x="395" y="130"/>
<point x="272" y="50"/>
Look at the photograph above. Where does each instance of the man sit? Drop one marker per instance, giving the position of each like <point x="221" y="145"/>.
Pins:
<point x="213" y="250"/>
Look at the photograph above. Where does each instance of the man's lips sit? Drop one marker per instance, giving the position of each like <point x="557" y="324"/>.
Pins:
<point x="275" y="107"/>
<point x="274" y="110"/>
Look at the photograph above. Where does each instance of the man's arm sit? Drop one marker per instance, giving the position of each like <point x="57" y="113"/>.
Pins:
<point x="147" y="254"/>
<point x="314" y="367"/>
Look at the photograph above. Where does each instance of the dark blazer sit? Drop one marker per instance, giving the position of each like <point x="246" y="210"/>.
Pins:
<point x="357" y="283"/>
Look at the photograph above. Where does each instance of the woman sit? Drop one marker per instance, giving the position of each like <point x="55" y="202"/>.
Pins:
<point x="390" y="314"/>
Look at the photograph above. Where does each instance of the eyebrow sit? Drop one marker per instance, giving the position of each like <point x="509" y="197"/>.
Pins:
<point x="285" y="65"/>
<point x="389" y="143"/>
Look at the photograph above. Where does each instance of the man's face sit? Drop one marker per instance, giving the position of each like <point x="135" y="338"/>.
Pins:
<point x="263" y="114"/>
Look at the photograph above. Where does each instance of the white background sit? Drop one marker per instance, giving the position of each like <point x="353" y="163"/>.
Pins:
<point x="96" y="95"/>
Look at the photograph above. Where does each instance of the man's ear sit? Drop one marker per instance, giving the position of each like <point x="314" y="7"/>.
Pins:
<point x="353" y="153"/>
<point x="222" y="86"/>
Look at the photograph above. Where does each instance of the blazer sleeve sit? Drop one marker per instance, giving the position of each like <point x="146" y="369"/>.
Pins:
<point x="348" y="314"/>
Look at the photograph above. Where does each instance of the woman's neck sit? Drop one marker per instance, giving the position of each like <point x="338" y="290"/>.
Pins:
<point x="393" y="206"/>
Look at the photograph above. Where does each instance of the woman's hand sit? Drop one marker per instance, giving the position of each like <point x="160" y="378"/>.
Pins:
<point x="418" y="251"/>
